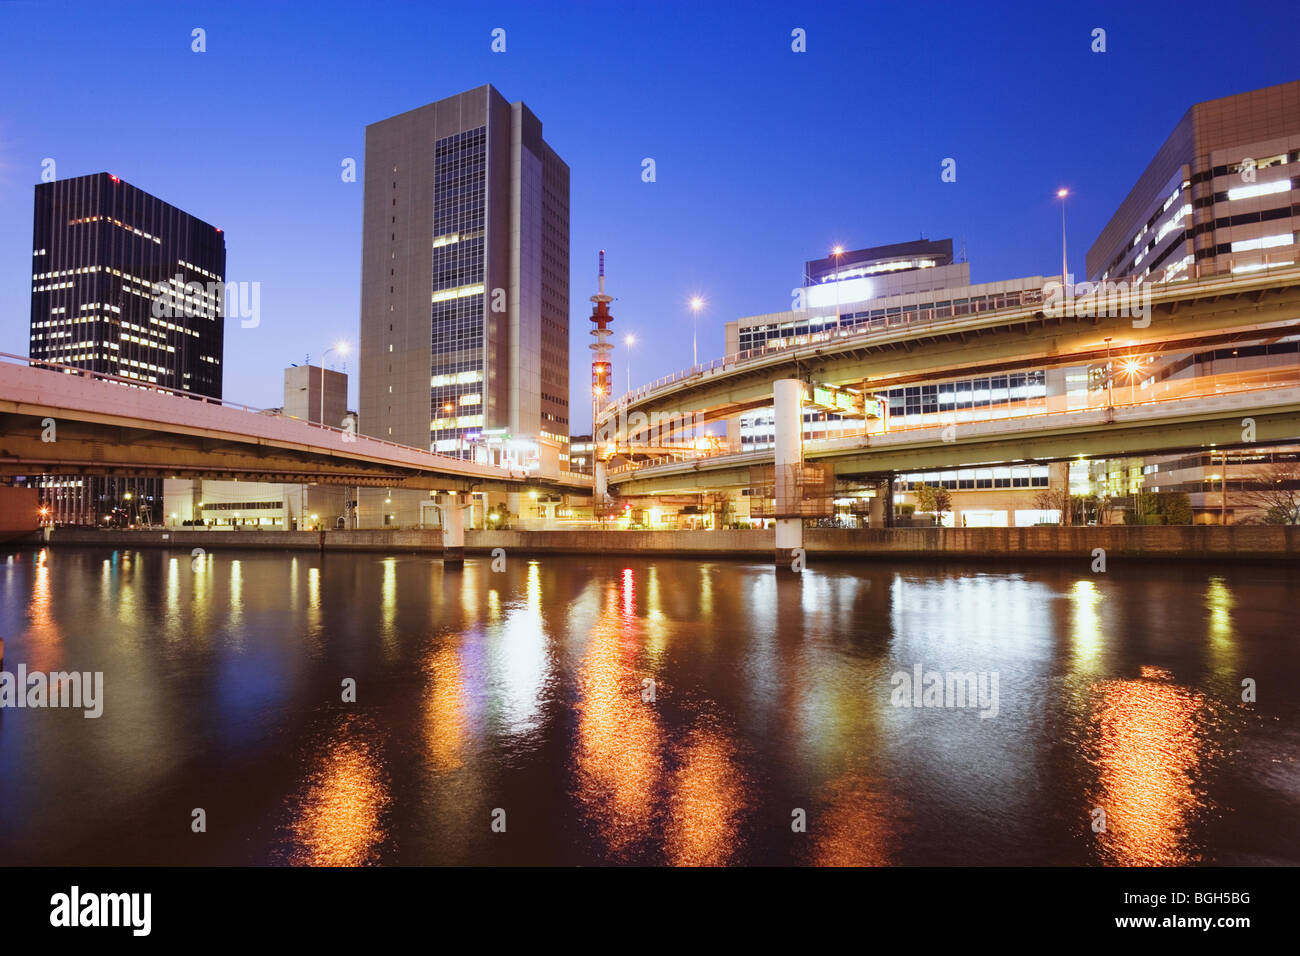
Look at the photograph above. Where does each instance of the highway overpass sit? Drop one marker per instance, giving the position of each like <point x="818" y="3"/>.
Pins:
<point x="1181" y="423"/>
<point x="86" y="423"/>
<point x="1183" y="316"/>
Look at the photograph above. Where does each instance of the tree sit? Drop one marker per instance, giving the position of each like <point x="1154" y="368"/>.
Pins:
<point x="1274" y="488"/>
<point x="1174" y="507"/>
<point x="942" y="500"/>
<point x="1164" y="507"/>
<point x="936" y="500"/>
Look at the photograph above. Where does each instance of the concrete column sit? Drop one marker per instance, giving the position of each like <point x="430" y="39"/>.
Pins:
<point x="601" y="482"/>
<point x="787" y="400"/>
<point x="512" y="504"/>
<point x="876" y="515"/>
<point x="453" y="533"/>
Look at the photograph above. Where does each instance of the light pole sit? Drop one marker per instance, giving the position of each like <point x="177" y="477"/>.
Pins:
<point x="447" y="409"/>
<point x="1133" y="368"/>
<point x="342" y="349"/>
<point x="1110" y="401"/>
<point x="629" y="341"/>
<point x="837" y="252"/>
<point x="696" y="304"/>
<point x="1065" y="269"/>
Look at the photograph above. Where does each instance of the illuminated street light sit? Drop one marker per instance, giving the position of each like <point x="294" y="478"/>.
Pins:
<point x="1065" y="269"/>
<point x="837" y="252"/>
<point x="1133" y="369"/>
<point x="629" y="342"/>
<point x="697" y="303"/>
<point x="342" y="349"/>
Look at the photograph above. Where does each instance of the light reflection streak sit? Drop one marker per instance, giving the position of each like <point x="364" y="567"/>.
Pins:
<point x="858" y="826"/>
<point x="1085" y="626"/>
<point x="707" y="800"/>
<point x="619" y="762"/>
<point x="339" y="817"/>
<point x="1148" y="761"/>
<point x="446" y="721"/>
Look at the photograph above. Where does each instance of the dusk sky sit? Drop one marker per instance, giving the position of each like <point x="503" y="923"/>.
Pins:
<point x="764" y="157"/>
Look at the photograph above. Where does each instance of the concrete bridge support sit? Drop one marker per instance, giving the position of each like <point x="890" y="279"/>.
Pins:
<point x="453" y="531"/>
<point x="787" y="399"/>
<point x="882" y="505"/>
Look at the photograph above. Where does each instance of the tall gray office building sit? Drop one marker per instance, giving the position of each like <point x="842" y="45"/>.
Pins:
<point x="464" y="277"/>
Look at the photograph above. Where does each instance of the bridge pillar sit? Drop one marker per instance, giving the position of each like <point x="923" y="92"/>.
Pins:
<point x="787" y="400"/>
<point x="882" y="505"/>
<point x="453" y="533"/>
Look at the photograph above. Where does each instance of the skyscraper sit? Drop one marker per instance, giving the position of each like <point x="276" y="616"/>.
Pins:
<point x="465" y="278"/>
<point x="1221" y="197"/>
<point x="124" y="284"/>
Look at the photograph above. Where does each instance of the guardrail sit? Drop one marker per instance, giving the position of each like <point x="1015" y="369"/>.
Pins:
<point x="207" y="400"/>
<point x="1030" y="299"/>
<point x="1230" y="384"/>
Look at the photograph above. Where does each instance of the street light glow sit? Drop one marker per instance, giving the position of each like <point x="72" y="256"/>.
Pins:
<point x="1062" y="193"/>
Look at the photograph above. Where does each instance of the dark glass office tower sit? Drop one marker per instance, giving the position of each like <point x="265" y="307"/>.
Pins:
<point x="465" y="277"/>
<point x="125" y="284"/>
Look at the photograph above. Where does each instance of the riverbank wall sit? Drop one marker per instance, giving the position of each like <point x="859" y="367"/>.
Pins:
<point x="1201" y="542"/>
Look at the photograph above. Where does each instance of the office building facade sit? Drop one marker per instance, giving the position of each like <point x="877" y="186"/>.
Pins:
<point x="1221" y="197"/>
<point x="465" y="278"/>
<point x="1218" y="197"/>
<point x="128" y="285"/>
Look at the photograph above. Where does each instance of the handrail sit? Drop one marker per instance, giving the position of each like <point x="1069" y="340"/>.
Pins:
<point x="1162" y="288"/>
<point x="1274" y="378"/>
<point x="208" y="400"/>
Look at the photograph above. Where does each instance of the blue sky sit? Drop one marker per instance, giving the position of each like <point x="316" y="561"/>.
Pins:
<point x="764" y="157"/>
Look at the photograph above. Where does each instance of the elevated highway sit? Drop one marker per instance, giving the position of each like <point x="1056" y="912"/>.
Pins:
<point x="1182" y="422"/>
<point x="86" y="423"/>
<point x="1180" y="317"/>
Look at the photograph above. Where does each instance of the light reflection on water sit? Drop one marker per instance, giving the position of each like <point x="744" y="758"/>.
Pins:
<point x="650" y="711"/>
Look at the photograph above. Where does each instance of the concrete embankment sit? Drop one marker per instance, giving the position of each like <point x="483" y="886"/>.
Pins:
<point x="1205" y="542"/>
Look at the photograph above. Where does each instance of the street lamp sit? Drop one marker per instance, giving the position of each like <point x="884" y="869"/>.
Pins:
<point x="342" y="349"/>
<point x="837" y="252"/>
<point x="1065" y="269"/>
<point x="1132" y="368"/>
<point x="696" y="304"/>
<point x="629" y="341"/>
<point x="1110" y="399"/>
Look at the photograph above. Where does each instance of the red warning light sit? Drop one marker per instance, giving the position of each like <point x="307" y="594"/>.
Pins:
<point x="114" y="178"/>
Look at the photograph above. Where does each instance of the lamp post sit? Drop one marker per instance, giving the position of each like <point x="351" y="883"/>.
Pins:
<point x="696" y="304"/>
<point x="629" y="341"/>
<point x="837" y="252"/>
<point x="342" y="349"/>
<point x="1110" y="401"/>
<point x="1065" y="269"/>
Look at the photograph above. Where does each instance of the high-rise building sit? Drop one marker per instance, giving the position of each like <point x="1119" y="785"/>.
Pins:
<point x="465" y="281"/>
<point x="124" y="284"/>
<point x="1220" y="197"/>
